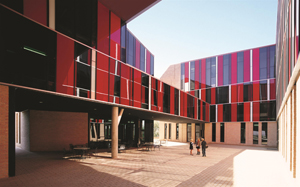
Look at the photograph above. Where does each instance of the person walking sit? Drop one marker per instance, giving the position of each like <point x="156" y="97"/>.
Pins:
<point x="203" y="144"/>
<point x="198" y="146"/>
<point x="191" y="147"/>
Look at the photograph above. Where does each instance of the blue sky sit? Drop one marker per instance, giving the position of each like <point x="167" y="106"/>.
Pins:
<point x="182" y="30"/>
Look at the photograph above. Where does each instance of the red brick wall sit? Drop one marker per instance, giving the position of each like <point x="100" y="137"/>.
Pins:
<point x="53" y="131"/>
<point x="4" y="96"/>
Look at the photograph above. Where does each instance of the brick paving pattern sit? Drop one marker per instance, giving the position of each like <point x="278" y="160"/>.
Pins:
<point x="171" y="166"/>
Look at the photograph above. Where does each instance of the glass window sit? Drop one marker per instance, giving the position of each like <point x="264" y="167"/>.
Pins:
<point x="176" y="101"/>
<point x="152" y="65"/>
<point x="240" y="67"/>
<point x="248" y="92"/>
<point x="222" y="132"/>
<point x="213" y="72"/>
<point x="82" y="54"/>
<point x="27" y="42"/>
<point x="182" y="76"/>
<point x="190" y="106"/>
<point x="155" y="97"/>
<point x="123" y="43"/>
<point x="267" y="111"/>
<point x="131" y="49"/>
<point x="263" y="74"/>
<point x="213" y="138"/>
<point x="263" y="90"/>
<point x="255" y="133"/>
<point x="77" y="20"/>
<point x="166" y="98"/>
<point x="264" y="133"/>
<point x="117" y="86"/>
<point x="227" y="112"/>
<point x="207" y="72"/>
<point x="272" y="62"/>
<point x="212" y="113"/>
<point x="142" y="58"/>
<point x="243" y="132"/>
<point x="227" y="69"/>
<point x="208" y="95"/>
<point x="199" y="109"/>
<point x="192" y="75"/>
<point x="222" y="94"/>
<point x="240" y="112"/>
<point x="170" y="130"/>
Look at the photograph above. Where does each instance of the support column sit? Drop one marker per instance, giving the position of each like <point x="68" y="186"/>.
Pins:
<point x="114" y="132"/>
<point x="4" y="136"/>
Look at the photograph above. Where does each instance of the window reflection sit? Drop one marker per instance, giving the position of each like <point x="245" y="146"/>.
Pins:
<point x="255" y="133"/>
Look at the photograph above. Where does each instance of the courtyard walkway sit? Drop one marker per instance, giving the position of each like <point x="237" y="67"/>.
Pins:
<point x="170" y="166"/>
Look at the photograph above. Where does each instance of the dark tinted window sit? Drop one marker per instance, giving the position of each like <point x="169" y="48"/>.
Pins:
<point x="176" y="101"/>
<point x="263" y="90"/>
<point x="222" y="94"/>
<point x="263" y="65"/>
<point x="166" y="99"/>
<point x="117" y="86"/>
<point x="243" y="133"/>
<point x="28" y="50"/>
<point x="213" y="113"/>
<point x="213" y="138"/>
<point x="240" y="112"/>
<point x="227" y="112"/>
<point x="248" y="92"/>
<point x="222" y="132"/>
<point x="255" y="133"/>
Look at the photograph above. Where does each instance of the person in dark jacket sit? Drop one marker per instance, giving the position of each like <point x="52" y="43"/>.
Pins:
<point x="203" y="145"/>
<point x="198" y="146"/>
<point x="191" y="147"/>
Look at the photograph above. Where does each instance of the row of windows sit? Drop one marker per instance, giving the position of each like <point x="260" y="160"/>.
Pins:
<point x="252" y="91"/>
<point x="229" y="69"/>
<point x="260" y="111"/>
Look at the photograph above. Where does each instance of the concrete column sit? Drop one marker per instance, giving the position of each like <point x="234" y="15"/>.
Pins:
<point x="114" y="132"/>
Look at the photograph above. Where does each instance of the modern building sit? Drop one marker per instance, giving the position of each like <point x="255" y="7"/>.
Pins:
<point x="72" y="73"/>
<point x="241" y="92"/>
<point x="288" y="84"/>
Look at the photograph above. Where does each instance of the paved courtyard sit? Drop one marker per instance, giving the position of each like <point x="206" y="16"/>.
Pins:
<point x="172" y="165"/>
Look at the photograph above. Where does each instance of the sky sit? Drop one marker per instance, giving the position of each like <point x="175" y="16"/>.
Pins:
<point x="176" y="31"/>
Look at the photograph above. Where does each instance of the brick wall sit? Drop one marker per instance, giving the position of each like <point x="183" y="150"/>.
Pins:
<point x="53" y="131"/>
<point x="233" y="133"/>
<point x="4" y="96"/>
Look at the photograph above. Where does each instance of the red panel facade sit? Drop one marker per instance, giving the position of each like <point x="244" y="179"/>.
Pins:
<point x="220" y="113"/>
<point x="234" y="92"/>
<point x="207" y="112"/>
<point x="233" y="68"/>
<point x="137" y="94"/>
<point x="247" y="111"/>
<point x="115" y="36"/>
<point x="111" y="87"/>
<point x="272" y="89"/>
<point x="247" y="66"/>
<point x="36" y="10"/>
<point x="195" y="108"/>
<point x="256" y="91"/>
<point x="102" y="85"/>
<point x="103" y="29"/>
<point x="186" y="72"/>
<point x="201" y="108"/>
<point x="255" y="64"/>
<point x="203" y="94"/>
<point x="255" y="111"/>
<point x="240" y="92"/>
<point x="65" y="65"/>
<point x="234" y="112"/>
<point x="220" y="70"/>
<point x="124" y="95"/>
